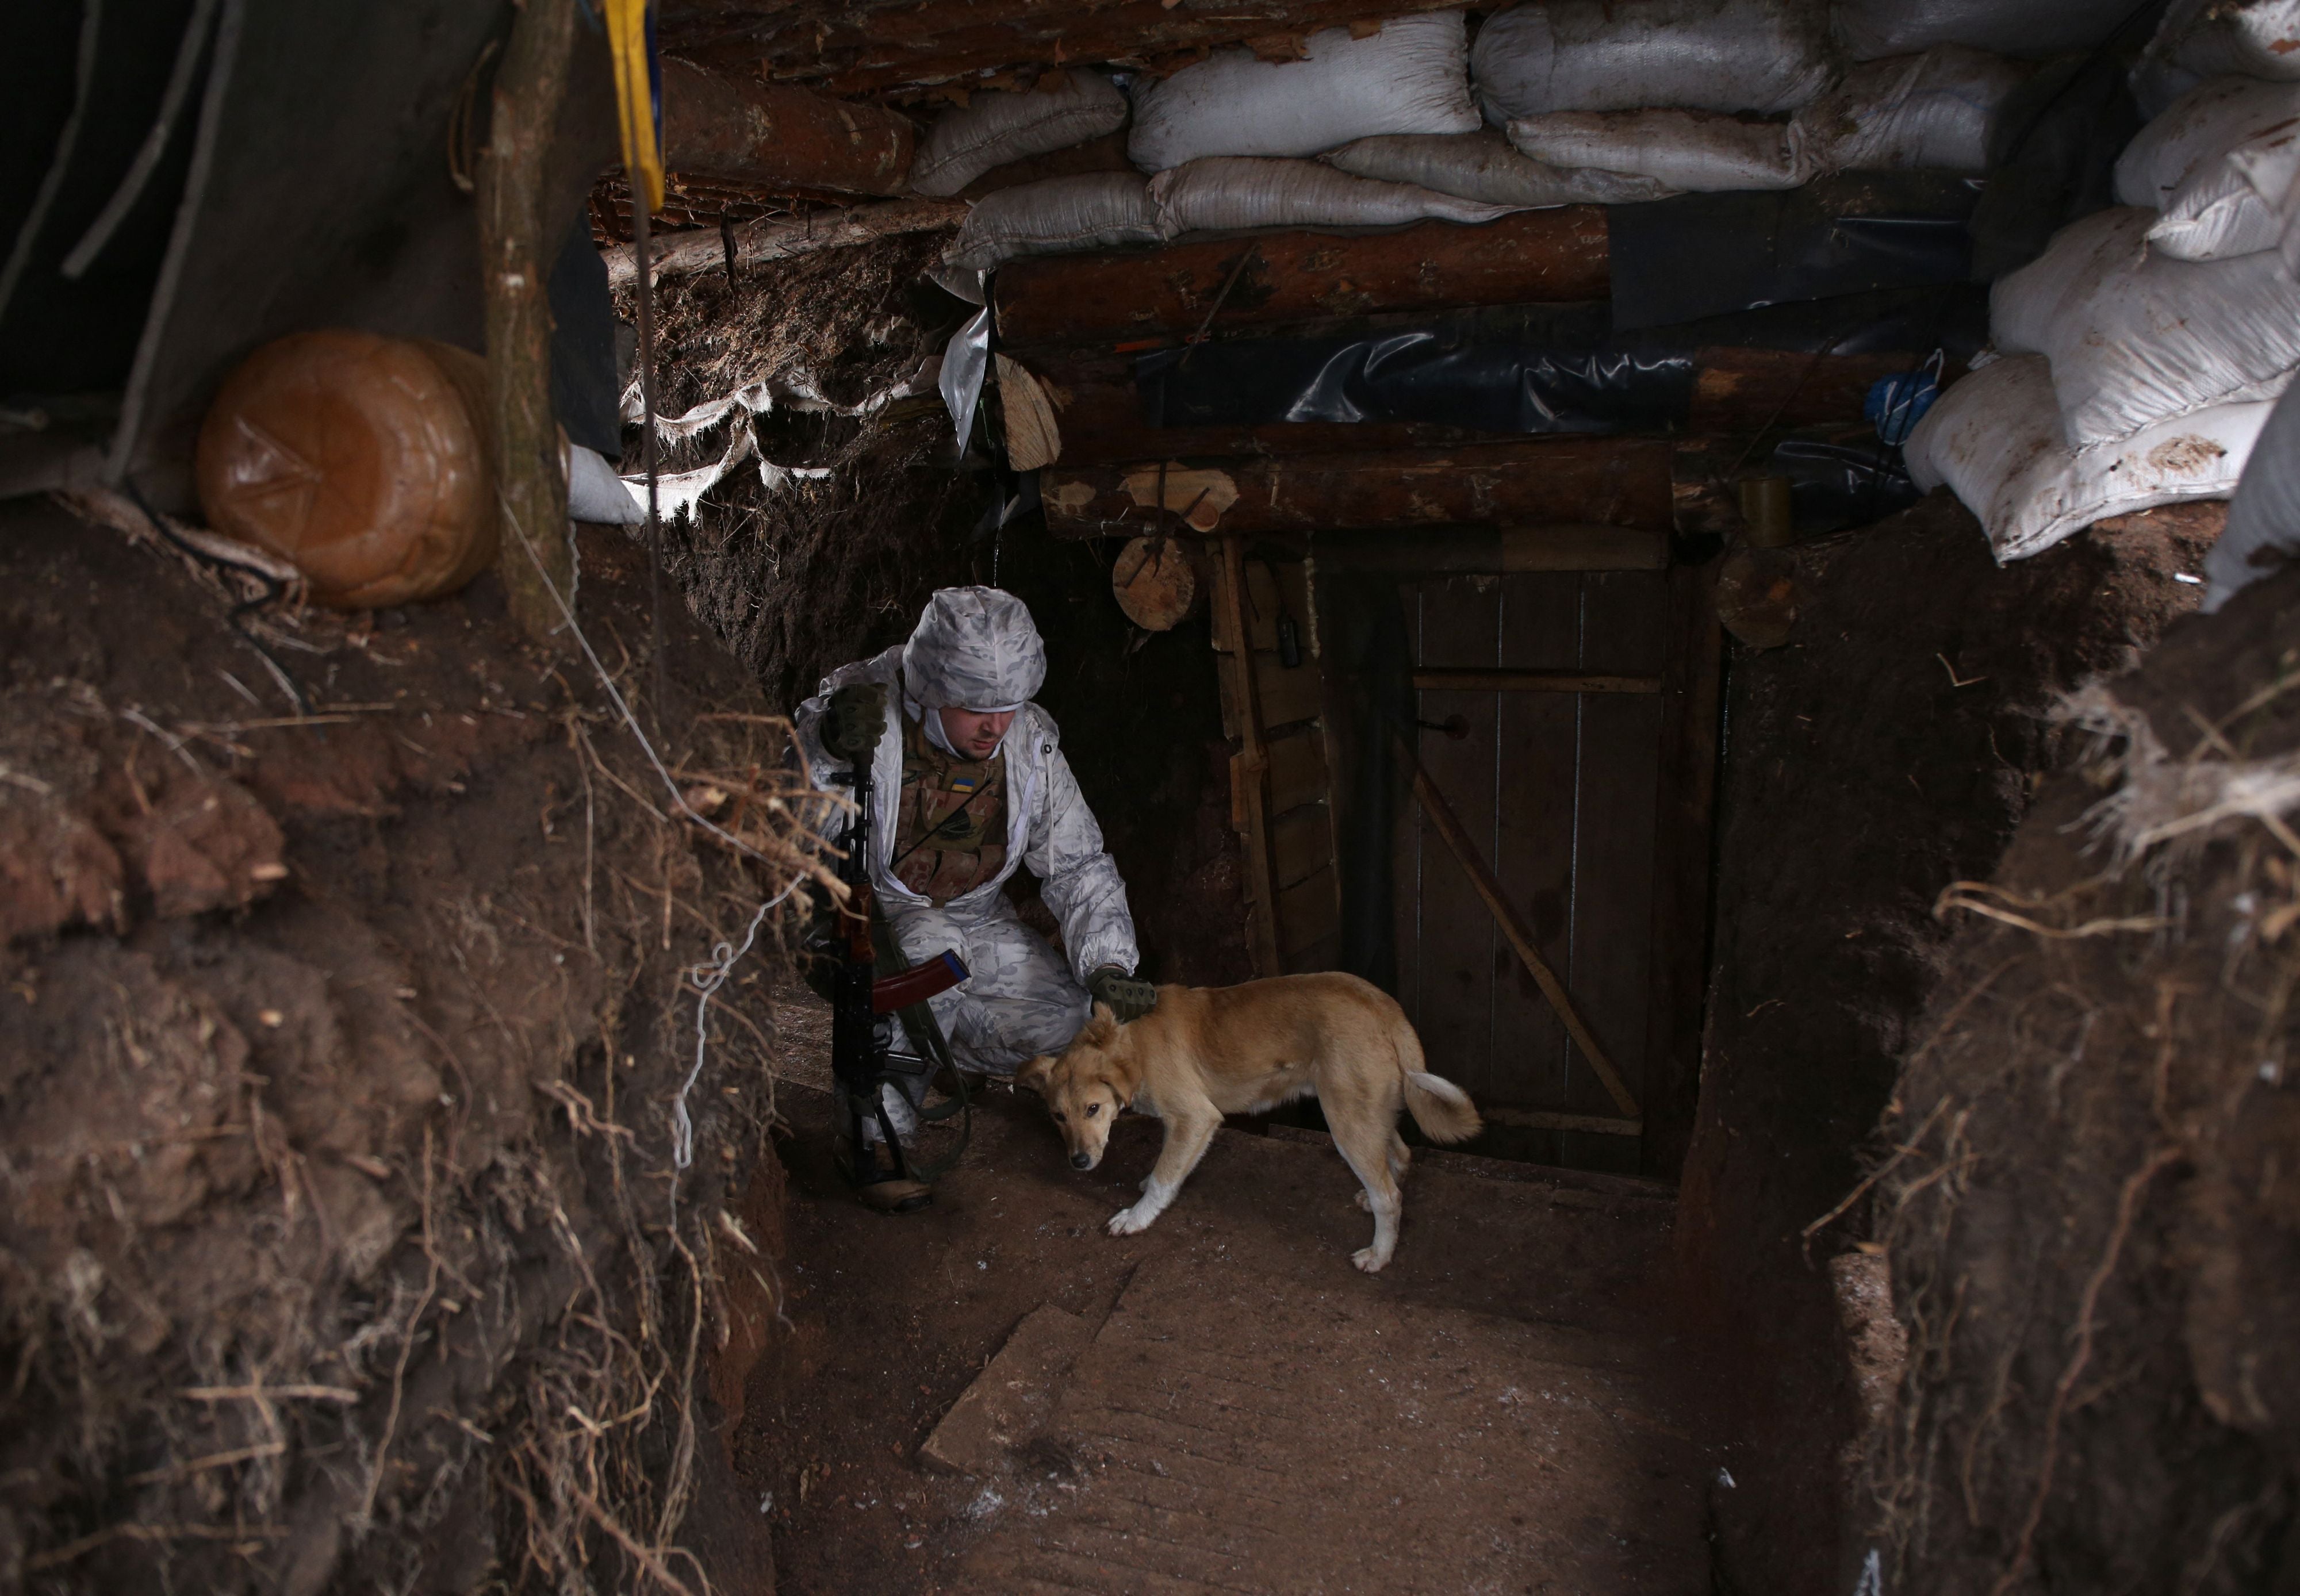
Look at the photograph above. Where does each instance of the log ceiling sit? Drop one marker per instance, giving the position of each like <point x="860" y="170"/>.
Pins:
<point x="874" y="47"/>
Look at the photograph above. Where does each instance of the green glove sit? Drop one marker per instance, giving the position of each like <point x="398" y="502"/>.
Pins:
<point x="855" y="721"/>
<point x="1127" y="998"/>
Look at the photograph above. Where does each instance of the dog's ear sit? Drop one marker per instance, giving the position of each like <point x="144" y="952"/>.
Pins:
<point x="1036" y="1073"/>
<point x="1101" y="1026"/>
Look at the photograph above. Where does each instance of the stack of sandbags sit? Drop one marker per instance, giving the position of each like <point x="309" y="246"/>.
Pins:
<point x="2218" y="163"/>
<point x="2028" y="29"/>
<point x="1927" y="112"/>
<point x="2202" y="39"/>
<point x="1995" y="438"/>
<point x="2158" y="329"/>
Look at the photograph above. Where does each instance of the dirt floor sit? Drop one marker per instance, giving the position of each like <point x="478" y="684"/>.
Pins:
<point x="1501" y="1409"/>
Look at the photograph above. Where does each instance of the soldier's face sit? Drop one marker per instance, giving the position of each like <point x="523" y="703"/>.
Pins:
<point x="975" y="734"/>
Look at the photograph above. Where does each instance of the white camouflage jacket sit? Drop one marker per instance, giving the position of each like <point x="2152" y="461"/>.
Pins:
<point x="1048" y="825"/>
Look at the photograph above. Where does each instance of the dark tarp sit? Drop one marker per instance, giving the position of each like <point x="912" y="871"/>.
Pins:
<point x="1708" y="254"/>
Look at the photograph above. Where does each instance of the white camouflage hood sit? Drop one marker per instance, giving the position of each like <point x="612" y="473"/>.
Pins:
<point x="975" y="648"/>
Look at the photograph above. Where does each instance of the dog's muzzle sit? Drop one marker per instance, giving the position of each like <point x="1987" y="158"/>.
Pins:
<point x="1081" y="1160"/>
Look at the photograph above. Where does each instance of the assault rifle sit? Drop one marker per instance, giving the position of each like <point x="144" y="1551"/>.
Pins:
<point x="864" y="1004"/>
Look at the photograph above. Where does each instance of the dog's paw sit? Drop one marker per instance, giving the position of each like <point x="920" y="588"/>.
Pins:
<point x="1369" y="1260"/>
<point x="1127" y="1221"/>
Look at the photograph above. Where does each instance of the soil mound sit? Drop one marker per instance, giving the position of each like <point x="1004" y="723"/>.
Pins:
<point x="345" y="1049"/>
<point x="2089" y="1200"/>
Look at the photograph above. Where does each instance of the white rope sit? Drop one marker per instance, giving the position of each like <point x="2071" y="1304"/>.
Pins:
<point x="678" y="799"/>
<point x="706" y="978"/>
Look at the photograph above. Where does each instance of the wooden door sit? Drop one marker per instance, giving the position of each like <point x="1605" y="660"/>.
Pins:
<point x="1568" y="720"/>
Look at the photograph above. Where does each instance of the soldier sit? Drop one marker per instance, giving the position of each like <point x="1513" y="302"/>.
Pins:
<point x="972" y="783"/>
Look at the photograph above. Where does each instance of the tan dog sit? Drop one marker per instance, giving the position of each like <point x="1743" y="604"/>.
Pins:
<point x="1207" y="1051"/>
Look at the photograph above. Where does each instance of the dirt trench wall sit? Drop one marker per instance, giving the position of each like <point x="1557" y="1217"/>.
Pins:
<point x="804" y="576"/>
<point x="1888" y="750"/>
<point x="338" y="1064"/>
<point x="2095" y="1236"/>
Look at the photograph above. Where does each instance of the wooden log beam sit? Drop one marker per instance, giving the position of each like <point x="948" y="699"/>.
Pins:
<point x="1595" y="1124"/>
<point x="515" y="256"/>
<point x="1497" y="551"/>
<point x="732" y="127"/>
<point x="1609" y="482"/>
<point x="1535" y="257"/>
<point x="860" y="46"/>
<point x="1531" y="681"/>
<point x="756" y="243"/>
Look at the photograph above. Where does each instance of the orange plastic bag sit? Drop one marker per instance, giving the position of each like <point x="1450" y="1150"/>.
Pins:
<point x="362" y="460"/>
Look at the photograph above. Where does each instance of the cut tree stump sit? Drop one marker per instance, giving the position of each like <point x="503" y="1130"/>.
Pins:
<point x="1157" y="581"/>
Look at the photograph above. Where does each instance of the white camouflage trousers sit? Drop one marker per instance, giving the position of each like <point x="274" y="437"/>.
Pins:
<point x="1020" y="999"/>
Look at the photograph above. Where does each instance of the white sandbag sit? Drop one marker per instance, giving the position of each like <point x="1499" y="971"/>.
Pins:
<point x="2264" y="524"/>
<point x="1927" y="112"/>
<point x="2216" y="161"/>
<point x="2030" y="29"/>
<point x="1482" y="166"/>
<point x="2136" y="335"/>
<point x="2260" y="38"/>
<point x="1101" y="209"/>
<point x="1227" y="192"/>
<point x="1702" y="152"/>
<point x="1765" y="56"/>
<point x="1411" y="76"/>
<point x="595" y="494"/>
<point x="995" y="127"/>
<point x="1995" y="439"/>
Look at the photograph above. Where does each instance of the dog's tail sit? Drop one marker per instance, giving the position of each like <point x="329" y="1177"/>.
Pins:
<point x="1442" y="1109"/>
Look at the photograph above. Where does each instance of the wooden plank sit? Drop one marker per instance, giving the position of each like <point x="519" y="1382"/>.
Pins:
<point x="1249" y="770"/>
<point x="1693" y="676"/>
<point x="1608" y="481"/>
<point x="1535" y="256"/>
<point x="1273" y="588"/>
<point x="1309" y="911"/>
<point x="1533" y="681"/>
<point x="1623" y="629"/>
<point x="1411" y="846"/>
<point x="1542" y="1119"/>
<point x="734" y="127"/>
<point x="1325" y="954"/>
<point x="1301" y="845"/>
<point x="1460" y="625"/>
<point x="1287" y="697"/>
<point x="1537" y="777"/>
<point x="1514" y="929"/>
<point x="1297" y="770"/>
<point x="1497" y="551"/>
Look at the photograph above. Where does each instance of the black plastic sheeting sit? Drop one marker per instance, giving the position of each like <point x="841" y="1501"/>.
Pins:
<point x="1437" y="375"/>
<point x="1840" y="482"/>
<point x="1543" y="368"/>
<point x="1708" y="254"/>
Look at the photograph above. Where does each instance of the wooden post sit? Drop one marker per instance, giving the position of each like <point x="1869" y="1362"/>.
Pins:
<point x="1249" y="770"/>
<point x="516" y="269"/>
<point x="1514" y="929"/>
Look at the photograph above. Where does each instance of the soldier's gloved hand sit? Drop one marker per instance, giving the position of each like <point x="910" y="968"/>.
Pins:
<point x="855" y="721"/>
<point x="1128" y="999"/>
